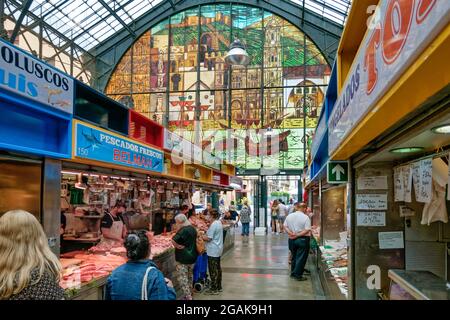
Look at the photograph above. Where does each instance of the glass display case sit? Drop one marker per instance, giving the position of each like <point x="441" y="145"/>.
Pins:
<point x="417" y="285"/>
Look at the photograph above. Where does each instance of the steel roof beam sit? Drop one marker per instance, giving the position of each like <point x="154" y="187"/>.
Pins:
<point x="49" y="27"/>
<point x="114" y="14"/>
<point x="23" y="13"/>
<point x="326" y="6"/>
<point x="172" y="4"/>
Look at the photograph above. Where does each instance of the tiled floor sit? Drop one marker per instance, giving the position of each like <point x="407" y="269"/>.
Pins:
<point x="257" y="269"/>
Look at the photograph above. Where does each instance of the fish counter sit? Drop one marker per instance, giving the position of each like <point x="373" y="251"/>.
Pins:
<point x="85" y="273"/>
<point x="228" y="237"/>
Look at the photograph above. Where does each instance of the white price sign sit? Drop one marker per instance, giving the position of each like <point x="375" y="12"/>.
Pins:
<point x="371" y="202"/>
<point x="391" y="240"/>
<point x="371" y="219"/>
<point x="373" y="183"/>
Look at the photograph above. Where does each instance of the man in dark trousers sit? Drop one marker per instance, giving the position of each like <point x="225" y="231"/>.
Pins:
<point x="298" y="227"/>
<point x="214" y="249"/>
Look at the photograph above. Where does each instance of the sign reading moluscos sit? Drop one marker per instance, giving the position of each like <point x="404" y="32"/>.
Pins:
<point x="100" y="145"/>
<point x="29" y="77"/>
<point x="398" y="34"/>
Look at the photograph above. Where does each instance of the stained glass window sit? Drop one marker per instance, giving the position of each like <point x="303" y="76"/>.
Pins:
<point x="252" y="116"/>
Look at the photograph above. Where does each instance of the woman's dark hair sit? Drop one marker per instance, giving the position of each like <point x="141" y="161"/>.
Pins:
<point x="120" y="204"/>
<point x="214" y="213"/>
<point x="137" y="245"/>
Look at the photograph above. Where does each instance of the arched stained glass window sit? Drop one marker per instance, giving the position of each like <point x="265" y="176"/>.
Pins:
<point x="177" y="72"/>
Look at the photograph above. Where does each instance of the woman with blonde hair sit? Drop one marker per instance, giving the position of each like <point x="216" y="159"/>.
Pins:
<point x="28" y="268"/>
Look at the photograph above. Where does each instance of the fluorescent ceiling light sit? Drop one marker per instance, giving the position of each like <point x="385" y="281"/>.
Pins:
<point x="69" y="172"/>
<point x="442" y="129"/>
<point x="406" y="150"/>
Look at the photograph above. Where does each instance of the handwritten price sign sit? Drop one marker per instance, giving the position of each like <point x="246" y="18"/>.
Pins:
<point x="371" y="202"/>
<point x="371" y="219"/>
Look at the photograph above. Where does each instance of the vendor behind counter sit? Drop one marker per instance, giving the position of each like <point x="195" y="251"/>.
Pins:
<point x="113" y="226"/>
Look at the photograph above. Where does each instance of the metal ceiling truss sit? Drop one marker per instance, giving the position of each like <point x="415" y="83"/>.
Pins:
<point x="324" y="33"/>
<point x="114" y="14"/>
<point x="67" y="44"/>
<point x="23" y="13"/>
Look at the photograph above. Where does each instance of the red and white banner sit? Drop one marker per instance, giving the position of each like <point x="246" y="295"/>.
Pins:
<point x="399" y="32"/>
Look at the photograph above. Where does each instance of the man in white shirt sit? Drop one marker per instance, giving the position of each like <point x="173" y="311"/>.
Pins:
<point x="214" y="249"/>
<point x="298" y="227"/>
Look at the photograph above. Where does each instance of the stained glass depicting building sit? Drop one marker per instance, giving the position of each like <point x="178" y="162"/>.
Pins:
<point x="175" y="74"/>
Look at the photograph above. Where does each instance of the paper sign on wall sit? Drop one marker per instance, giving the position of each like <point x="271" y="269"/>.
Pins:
<point x="407" y="182"/>
<point x="426" y="174"/>
<point x="371" y="219"/>
<point x="371" y="202"/>
<point x="391" y="240"/>
<point x="416" y="179"/>
<point x="406" y="211"/>
<point x="399" y="187"/>
<point x="372" y="183"/>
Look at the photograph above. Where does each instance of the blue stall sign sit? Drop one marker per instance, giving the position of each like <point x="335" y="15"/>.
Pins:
<point x="101" y="145"/>
<point x="23" y="74"/>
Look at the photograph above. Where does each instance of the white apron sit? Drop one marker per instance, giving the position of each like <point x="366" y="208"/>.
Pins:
<point x="116" y="232"/>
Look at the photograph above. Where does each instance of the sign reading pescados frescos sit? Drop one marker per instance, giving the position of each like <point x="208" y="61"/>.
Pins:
<point x="27" y="76"/>
<point x="402" y="32"/>
<point x="103" y="146"/>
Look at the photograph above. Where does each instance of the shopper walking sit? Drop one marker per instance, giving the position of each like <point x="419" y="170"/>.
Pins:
<point x="139" y="278"/>
<point x="28" y="268"/>
<point x="184" y="242"/>
<point x="214" y="249"/>
<point x="291" y="208"/>
<point x="298" y="226"/>
<point x="274" y="215"/>
<point x="234" y="213"/>
<point x="282" y="213"/>
<point x="245" y="218"/>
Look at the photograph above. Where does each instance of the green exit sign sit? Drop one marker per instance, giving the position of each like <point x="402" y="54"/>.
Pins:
<point x="337" y="171"/>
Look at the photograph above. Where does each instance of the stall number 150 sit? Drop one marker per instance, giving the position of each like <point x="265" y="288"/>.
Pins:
<point x="83" y="152"/>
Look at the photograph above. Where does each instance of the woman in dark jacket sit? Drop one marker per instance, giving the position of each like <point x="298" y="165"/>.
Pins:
<point x="139" y="278"/>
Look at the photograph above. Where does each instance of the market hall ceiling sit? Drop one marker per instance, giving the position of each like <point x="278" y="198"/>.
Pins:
<point x="88" y="27"/>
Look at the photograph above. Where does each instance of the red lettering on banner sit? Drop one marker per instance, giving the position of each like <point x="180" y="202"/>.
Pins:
<point x="125" y="157"/>
<point x="423" y="9"/>
<point x="137" y="159"/>
<point x="397" y="24"/>
<point x="116" y="155"/>
<point x="370" y="60"/>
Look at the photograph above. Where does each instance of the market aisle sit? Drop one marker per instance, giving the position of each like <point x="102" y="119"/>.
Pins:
<point x="258" y="269"/>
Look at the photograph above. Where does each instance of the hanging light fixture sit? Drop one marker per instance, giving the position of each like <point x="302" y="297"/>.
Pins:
<point x="237" y="54"/>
